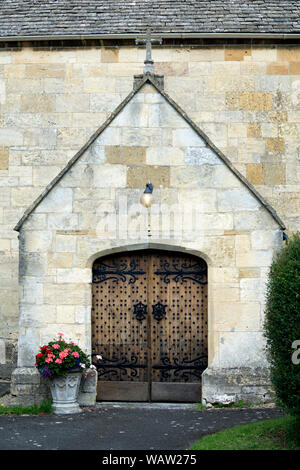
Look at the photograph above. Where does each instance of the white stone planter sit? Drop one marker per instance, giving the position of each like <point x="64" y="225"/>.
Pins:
<point x="64" y="392"/>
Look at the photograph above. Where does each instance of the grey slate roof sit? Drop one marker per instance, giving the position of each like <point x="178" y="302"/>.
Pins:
<point x="29" y="18"/>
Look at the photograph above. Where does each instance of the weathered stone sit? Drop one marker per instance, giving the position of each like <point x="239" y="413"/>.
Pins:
<point x="58" y="200"/>
<point x="254" y="259"/>
<point x="255" y="101"/>
<point x="11" y="137"/>
<point x="278" y="68"/>
<point x="274" y="173"/>
<point x="112" y="176"/>
<point x="230" y="385"/>
<point x="187" y="138"/>
<point x="275" y="145"/>
<point x="237" y="54"/>
<point x="27" y="387"/>
<point x="255" y="173"/>
<point x="138" y="176"/>
<point x="201" y="156"/>
<point x="38" y="241"/>
<point x="210" y="176"/>
<point x="165" y="156"/>
<point x="74" y="275"/>
<point x="34" y="103"/>
<point x="3" y="158"/>
<point x="60" y="260"/>
<point x="135" y="112"/>
<point x="254" y="130"/>
<point x="65" y="243"/>
<point x="75" y="102"/>
<point x="236" y="200"/>
<point x="290" y="54"/>
<point x="295" y="68"/>
<point x="88" y="390"/>
<point x="125" y="155"/>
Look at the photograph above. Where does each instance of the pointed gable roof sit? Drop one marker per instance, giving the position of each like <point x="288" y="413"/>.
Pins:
<point x="157" y="82"/>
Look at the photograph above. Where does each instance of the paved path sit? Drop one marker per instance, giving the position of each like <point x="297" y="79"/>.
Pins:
<point x="122" y="428"/>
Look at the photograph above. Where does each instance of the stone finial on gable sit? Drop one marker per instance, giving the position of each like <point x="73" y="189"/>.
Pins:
<point x="149" y="64"/>
<point x="157" y="80"/>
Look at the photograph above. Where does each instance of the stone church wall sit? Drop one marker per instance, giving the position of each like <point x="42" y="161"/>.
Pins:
<point x="246" y="99"/>
<point x="94" y="210"/>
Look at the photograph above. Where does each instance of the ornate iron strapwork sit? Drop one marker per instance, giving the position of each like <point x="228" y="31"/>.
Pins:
<point x="117" y="272"/>
<point x="140" y="311"/>
<point x="159" y="311"/>
<point x="114" y="365"/>
<point x="195" y="272"/>
<point x="183" y="370"/>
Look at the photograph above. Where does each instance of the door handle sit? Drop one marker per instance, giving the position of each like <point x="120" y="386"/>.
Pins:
<point x="159" y="311"/>
<point x="140" y="311"/>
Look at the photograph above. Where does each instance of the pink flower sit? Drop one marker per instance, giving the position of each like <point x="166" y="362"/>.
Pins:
<point x="51" y="355"/>
<point x="60" y="334"/>
<point x="75" y="354"/>
<point x="49" y="359"/>
<point x="99" y="357"/>
<point x="58" y="361"/>
<point x="55" y="346"/>
<point x="63" y="354"/>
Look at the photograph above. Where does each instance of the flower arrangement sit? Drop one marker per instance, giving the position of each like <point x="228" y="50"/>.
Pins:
<point x="58" y="358"/>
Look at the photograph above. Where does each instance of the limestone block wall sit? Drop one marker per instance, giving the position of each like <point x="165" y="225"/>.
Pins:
<point x="246" y="99"/>
<point x="200" y="206"/>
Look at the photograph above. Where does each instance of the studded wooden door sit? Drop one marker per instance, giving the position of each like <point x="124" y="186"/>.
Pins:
<point x="149" y="323"/>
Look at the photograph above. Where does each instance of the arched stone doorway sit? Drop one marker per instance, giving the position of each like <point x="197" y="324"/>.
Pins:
<point x="149" y="322"/>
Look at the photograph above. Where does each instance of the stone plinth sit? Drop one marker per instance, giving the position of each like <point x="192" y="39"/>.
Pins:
<point x="249" y="384"/>
<point x="28" y="387"/>
<point x="88" y="390"/>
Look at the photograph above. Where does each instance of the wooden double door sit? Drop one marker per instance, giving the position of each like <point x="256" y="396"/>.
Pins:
<point x="149" y="324"/>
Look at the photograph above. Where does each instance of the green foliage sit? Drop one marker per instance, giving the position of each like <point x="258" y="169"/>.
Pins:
<point x="44" y="408"/>
<point x="271" y="434"/>
<point x="239" y="404"/>
<point x="282" y="324"/>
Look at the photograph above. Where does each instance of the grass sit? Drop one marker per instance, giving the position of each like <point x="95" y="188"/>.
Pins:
<point x="44" y="408"/>
<point x="240" y="404"/>
<point x="272" y="434"/>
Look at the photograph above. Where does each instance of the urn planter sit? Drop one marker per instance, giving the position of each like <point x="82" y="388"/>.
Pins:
<point x="64" y="392"/>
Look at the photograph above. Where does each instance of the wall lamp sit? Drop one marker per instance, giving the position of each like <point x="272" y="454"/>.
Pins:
<point x="147" y="196"/>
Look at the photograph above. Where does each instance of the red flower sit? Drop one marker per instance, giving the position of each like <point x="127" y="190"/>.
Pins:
<point x="44" y="347"/>
<point x="38" y="356"/>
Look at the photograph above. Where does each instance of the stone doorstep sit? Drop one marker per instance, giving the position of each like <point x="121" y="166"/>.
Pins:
<point x="147" y="405"/>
